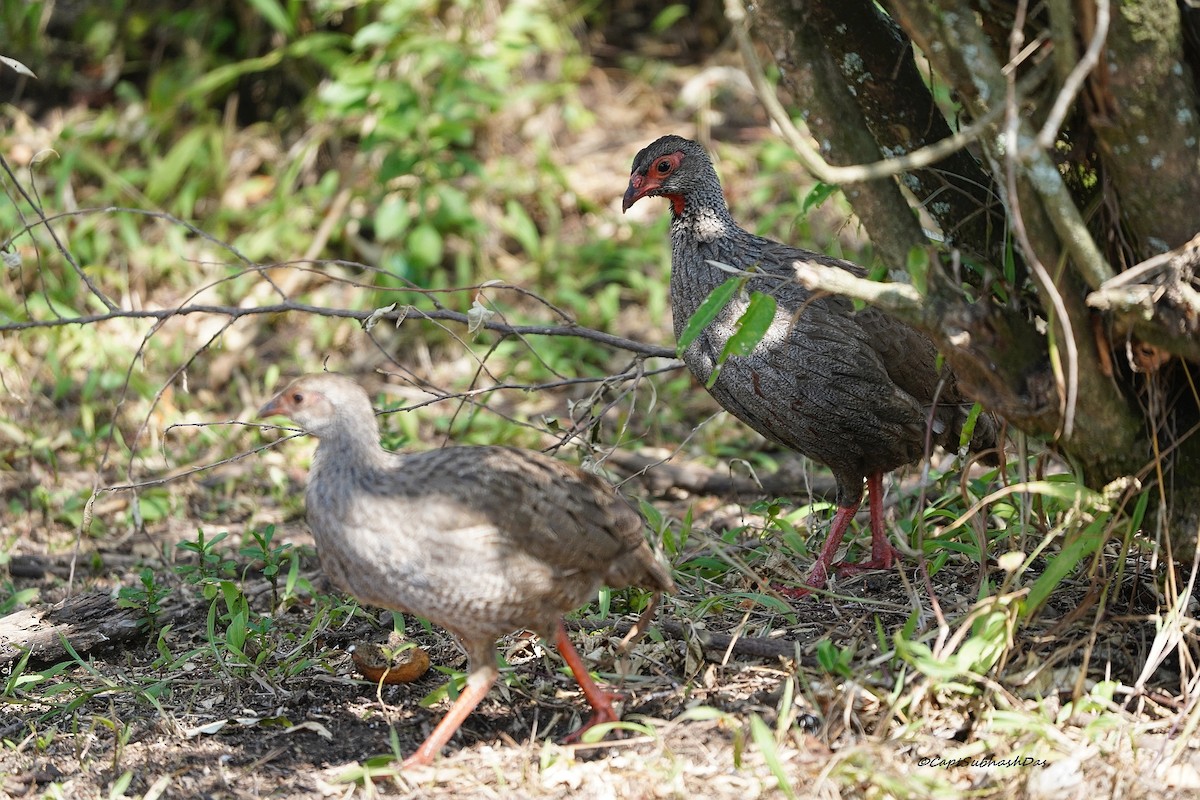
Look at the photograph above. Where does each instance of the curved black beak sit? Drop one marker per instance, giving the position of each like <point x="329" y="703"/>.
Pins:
<point x="636" y="191"/>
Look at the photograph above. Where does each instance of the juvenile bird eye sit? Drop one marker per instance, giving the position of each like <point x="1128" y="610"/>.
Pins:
<point x="664" y="166"/>
<point x="297" y="398"/>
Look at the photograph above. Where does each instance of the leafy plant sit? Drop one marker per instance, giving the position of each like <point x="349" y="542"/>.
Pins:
<point x="835" y="660"/>
<point x="146" y="599"/>
<point x="272" y="557"/>
<point x="12" y="598"/>
<point x="233" y="626"/>
<point x="210" y="567"/>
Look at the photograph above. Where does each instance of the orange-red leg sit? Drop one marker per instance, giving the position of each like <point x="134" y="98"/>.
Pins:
<point x="598" y="699"/>
<point x="820" y="572"/>
<point x="478" y="684"/>
<point x="882" y="552"/>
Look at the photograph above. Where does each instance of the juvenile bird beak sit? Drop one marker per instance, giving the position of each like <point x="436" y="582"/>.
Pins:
<point x="274" y="408"/>
<point x="636" y="191"/>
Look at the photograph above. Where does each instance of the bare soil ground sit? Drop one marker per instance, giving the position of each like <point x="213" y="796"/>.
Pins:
<point x="196" y="729"/>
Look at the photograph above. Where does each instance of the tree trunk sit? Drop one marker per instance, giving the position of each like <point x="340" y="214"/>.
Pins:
<point x="1067" y="319"/>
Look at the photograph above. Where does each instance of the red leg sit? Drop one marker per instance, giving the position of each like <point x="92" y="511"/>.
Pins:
<point x="882" y="552"/>
<point x="820" y="571"/>
<point x="478" y="684"/>
<point x="600" y="700"/>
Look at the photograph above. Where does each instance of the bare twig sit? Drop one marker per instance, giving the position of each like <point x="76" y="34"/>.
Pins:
<point x="62" y="248"/>
<point x="901" y="300"/>
<point x="735" y="12"/>
<point x="1012" y="127"/>
<point x="1074" y="82"/>
<point x="47" y="219"/>
<point x="234" y="313"/>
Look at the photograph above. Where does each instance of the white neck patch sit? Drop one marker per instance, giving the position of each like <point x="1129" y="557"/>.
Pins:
<point x="707" y="225"/>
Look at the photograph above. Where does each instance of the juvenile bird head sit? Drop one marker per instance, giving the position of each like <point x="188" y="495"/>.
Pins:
<point x="323" y="404"/>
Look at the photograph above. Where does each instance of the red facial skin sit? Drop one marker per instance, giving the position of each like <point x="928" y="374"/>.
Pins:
<point x="650" y="184"/>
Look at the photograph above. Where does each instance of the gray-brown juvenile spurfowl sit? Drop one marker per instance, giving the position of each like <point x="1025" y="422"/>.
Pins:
<point x="854" y="390"/>
<point x="482" y="541"/>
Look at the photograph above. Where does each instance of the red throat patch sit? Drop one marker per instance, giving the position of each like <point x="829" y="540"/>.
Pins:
<point x="676" y="203"/>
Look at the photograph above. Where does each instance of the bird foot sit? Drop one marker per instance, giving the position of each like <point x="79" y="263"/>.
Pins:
<point x="797" y="592"/>
<point x="417" y="759"/>
<point x="815" y="580"/>
<point x="603" y="714"/>
<point x="878" y="560"/>
<point x="883" y="558"/>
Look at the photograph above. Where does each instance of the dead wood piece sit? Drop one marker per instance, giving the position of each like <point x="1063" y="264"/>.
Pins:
<point x="86" y="621"/>
<point x="38" y="567"/>
<point x="659" y="477"/>
<point x="27" y="567"/>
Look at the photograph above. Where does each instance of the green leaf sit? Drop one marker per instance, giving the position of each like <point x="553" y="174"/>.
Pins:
<point x="917" y="266"/>
<point x="1063" y="564"/>
<point x="518" y="224"/>
<point x="713" y="305"/>
<point x="218" y="79"/>
<point x="817" y="196"/>
<point x="453" y="209"/>
<point x="376" y="34"/>
<point x="751" y="327"/>
<point x="340" y="95"/>
<point x="1010" y="259"/>
<point x="121" y="784"/>
<point x="827" y="656"/>
<point x="598" y="732"/>
<point x="921" y="656"/>
<point x="968" y="428"/>
<point x="668" y="17"/>
<point x="424" y="246"/>
<point x="765" y="740"/>
<point x="986" y="644"/>
<point x="168" y="173"/>
<point x="273" y="13"/>
<point x="391" y="219"/>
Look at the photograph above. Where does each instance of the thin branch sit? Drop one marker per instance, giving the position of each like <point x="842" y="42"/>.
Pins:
<point x="162" y="480"/>
<point x="62" y="248"/>
<point x="233" y="312"/>
<point x="901" y="300"/>
<point x="634" y="374"/>
<point x="625" y="375"/>
<point x="1012" y="131"/>
<point x="1074" y="82"/>
<point x="1147" y="269"/>
<point x="142" y="212"/>
<point x="735" y="12"/>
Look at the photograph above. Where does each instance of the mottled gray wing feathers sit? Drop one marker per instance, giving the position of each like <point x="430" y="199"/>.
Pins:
<point x="566" y="518"/>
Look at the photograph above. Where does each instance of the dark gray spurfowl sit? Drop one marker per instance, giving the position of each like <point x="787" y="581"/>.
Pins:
<point x="853" y="390"/>
<point x="482" y="541"/>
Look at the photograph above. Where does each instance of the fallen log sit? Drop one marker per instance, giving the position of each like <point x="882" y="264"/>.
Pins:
<point x="88" y="622"/>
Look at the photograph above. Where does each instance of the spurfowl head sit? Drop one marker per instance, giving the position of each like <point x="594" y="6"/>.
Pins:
<point x="671" y="167"/>
<point x="321" y="403"/>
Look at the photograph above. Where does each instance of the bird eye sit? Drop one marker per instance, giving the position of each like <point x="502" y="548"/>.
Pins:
<point x="663" y="167"/>
<point x="297" y="398"/>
